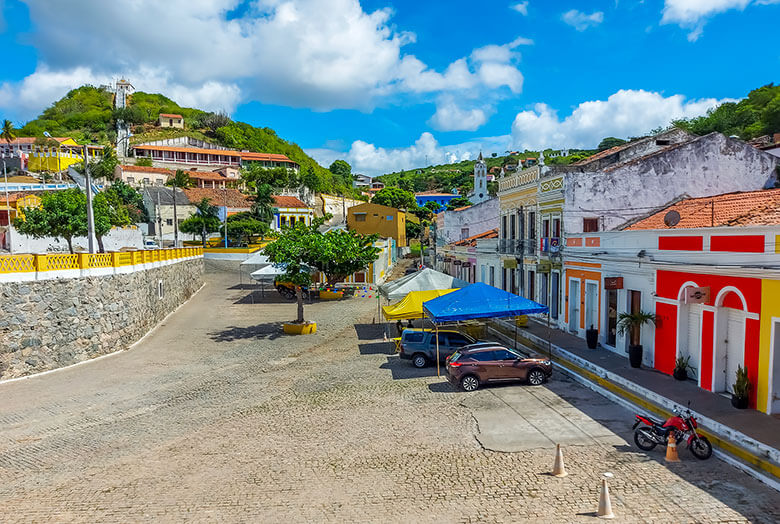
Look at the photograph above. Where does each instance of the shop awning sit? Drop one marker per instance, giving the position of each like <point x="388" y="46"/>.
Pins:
<point x="411" y="306"/>
<point x="424" y="280"/>
<point x="480" y="301"/>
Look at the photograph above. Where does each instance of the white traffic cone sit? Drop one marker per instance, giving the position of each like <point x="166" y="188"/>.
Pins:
<point x="558" y="469"/>
<point x="605" y="505"/>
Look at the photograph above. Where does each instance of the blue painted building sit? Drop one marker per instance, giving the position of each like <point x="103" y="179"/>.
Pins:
<point x="433" y="196"/>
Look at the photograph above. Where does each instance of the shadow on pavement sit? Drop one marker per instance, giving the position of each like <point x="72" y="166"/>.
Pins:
<point x="377" y="348"/>
<point x="403" y="369"/>
<point x="270" y="331"/>
<point x="266" y="297"/>
<point x="442" y="387"/>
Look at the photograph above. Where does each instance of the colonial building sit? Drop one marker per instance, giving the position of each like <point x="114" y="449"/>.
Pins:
<point x="139" y="176"/>
<point x="467" y="221"/>
<point x="480" y="192"/>
<point x="370" y="218"/>
<point x="289" y="211"/>
<point x="171" y="120"/>
<point x="709" y="269"/>
<point x="53" y="155"/>
<point x="443" y="199"/>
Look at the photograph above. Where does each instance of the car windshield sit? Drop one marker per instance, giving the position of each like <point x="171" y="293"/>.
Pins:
<point x="455" y="356"/>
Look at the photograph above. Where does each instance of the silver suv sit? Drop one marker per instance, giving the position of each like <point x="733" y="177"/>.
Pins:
<point x="419" y="345"/>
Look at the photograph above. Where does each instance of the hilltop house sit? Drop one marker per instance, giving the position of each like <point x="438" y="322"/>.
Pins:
<point x="171" y="120"/>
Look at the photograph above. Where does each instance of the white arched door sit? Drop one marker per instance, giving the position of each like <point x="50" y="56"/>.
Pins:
<point x="690" y="337"/>
<point x="730" y="349"/>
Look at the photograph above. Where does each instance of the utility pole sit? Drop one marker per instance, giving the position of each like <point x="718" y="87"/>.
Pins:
<point x="224" y="191"/>
<point x="159" y="220"/>
<point x="90" y="213"/>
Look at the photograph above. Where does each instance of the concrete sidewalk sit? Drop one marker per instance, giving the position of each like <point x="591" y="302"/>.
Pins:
<point x="748" y="436"/>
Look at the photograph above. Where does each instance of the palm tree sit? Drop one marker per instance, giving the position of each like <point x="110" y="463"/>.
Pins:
<point x="9" y="133"/>
<point x="263" y="207"/>
<point x="181" y="180"/>
<point x="207" y="213"/>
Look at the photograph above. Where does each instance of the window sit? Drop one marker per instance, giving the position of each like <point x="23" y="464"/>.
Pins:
<point x="531" y="285"/>
<point x="413" y="336"/>
<point x="158" y="182"/>
<point x="389" y="217"/>
<point x="512" y="227"/>
<point x="130" y="180"/>
<point x="492" y="276"/>
<point x="612" y="317"/>
<point x="464" y="233"/>
<point x="282" y="221"/>
<point x="169" y="221"/>
<point x="556" y="227"/>
<point x="442" y="339"/>
<point x="504" y="354"/>
<point x="590" y="225"/>
<point x="483" y="356"/>
<point x="532" y="225"/>
<point x="360" y="217"/>
<point x="146" y="180"/>
<point x="456" y="339"/>
<point x="663" y="142"/>
<point x="545" y="228"/>
<point x="503" y="226"/>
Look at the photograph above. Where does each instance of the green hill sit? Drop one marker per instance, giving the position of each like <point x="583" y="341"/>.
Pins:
<point x="87" y="115"/>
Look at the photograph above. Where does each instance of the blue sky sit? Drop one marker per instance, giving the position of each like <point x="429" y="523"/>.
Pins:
<point x="392" y="84"/>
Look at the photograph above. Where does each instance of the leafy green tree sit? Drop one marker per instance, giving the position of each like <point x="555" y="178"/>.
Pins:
<point x="433" y="207"/>
<point x="104" y="168"/>
<point x="610" y="142"/>
<point x="144" y="162"/>
<point x="340" y="253"/>
<point x="243" y="226"/>
<point x="62" y="214"/>
<point x="413" y="230"/>
<point x="342" y="170"/>
<point x="205" y="221"/>
<point x="395" y="197"/>
<point x="455" y="203"/>
<point x="132" y="200"/>
<point x="8" y="133"/>
<point x="108" y="211"/>
<point x="181" y="180"/>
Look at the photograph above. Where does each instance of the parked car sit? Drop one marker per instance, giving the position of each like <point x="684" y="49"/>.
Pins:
<point x="475" y="365"/>
<point x="150" y="244"/>
<point x="419" y="345"/>
<point x="287" y="290"/>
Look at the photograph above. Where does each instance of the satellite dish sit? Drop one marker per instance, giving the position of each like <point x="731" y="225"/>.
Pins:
<point x="672" y="218"/>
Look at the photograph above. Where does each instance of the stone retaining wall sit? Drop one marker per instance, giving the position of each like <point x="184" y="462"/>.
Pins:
<point x="54" y="323"/>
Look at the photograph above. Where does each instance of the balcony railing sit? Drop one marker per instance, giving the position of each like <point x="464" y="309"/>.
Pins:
<point x="527" y="247"/>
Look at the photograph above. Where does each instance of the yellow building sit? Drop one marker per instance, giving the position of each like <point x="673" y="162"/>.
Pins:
<point x="16" y="204"/>
<point x="768" y="384"/>
<point x="56" y="154"/>
<point x="369" y="218"/>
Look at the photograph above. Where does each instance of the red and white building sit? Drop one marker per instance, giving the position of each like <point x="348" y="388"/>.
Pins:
<point x="709" y="268"/>
<point x="187" y="157"/>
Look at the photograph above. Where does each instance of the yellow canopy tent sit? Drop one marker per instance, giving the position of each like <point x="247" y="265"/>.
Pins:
<point x="411" y="306"/>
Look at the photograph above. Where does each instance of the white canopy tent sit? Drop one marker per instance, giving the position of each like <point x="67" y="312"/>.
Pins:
<point x="426" y="279"/>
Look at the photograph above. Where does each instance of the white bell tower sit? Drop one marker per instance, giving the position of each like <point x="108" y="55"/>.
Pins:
<point x="480" y="193"/>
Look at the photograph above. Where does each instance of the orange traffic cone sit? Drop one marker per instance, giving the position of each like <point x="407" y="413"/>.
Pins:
<point x="671" y="449"/>
<point x="558" y="469"/>
<point x="605" y="504"/>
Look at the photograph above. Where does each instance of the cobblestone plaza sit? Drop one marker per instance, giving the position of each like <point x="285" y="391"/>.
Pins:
<point x="218" y="417"/>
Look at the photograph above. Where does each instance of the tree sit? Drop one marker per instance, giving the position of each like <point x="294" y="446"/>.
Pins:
<point x="455" y="203"/>
<point x="291" y="252"/>
<point x="243" y="226"/>
<point x="105" y="167"/>
<point x="205" y="221"/>
<point x="395" y="197"/>
<point x="433" y="207"/>
<point x="8" y="133"/>
<point x="610" y="142"/>
<point x="108" y="211"/>
<point x="143" y="162"/>
<point x="340" y="253"/>
<point x="62" y="214"/>
<point x="263" y="206"/>
<point x="342" y="170"/>
<point x="179" y="180"/>
<point x="132" y="200"/>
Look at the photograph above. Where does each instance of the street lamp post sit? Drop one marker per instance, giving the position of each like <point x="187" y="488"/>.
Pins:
<point x="90" y="212"/>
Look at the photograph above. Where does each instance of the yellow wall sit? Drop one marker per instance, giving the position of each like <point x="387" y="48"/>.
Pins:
<point x="770" y="307"/>
<point x="67" y="157"/>
<point x="377" y="222"/>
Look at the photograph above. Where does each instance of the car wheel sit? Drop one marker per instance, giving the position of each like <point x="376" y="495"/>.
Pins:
<point x="536" y="377"/>
<point x="419" y="361"/>
<point x="469" y="383"/>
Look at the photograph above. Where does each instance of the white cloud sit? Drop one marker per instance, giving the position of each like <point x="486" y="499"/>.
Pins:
<point x="625" y="113"/>
<point x="692" y="14"/>
<point x="372" y="160"/>
<point x="520" y="7"/>
<point x="581" y="21"/>
<point x="278" y="52"/>
<point x="450" y="116"/>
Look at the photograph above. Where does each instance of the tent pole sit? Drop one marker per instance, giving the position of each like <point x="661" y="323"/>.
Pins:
<point x="438" y="374"/>
<point x="549" y="342"/>
<point x="515" y="319"/>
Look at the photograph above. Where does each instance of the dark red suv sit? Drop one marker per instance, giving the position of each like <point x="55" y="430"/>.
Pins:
<point x="477" y="364"/>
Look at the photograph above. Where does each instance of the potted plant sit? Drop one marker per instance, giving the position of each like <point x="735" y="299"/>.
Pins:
<point x="592" y="337"/>
<point x="632" y="323"/>
<point x="740" y="395"/>
<point x="681" y="367"/>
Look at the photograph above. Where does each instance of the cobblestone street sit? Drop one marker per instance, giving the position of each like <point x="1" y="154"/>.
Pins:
<point x="218" y="417"/>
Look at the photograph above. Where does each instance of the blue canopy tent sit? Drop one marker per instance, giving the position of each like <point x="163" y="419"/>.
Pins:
<point x="479" y="301"/>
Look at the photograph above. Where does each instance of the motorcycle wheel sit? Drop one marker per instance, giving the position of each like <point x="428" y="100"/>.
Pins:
<point x="643" y="440"/>
<point x="701" y="449"/>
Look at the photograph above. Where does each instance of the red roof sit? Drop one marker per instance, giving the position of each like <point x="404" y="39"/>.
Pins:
<point x="288" y="201"/>
<point x="145" y="169"/>
<point x="199" y="175"/>
<point x="472" y="240"/>
<point x="170" y="115"/>
<point x="751" y="208"/>
<point x="199" y="150"/>
<point x="219" y="197"/>
<point x="249" y="155"/>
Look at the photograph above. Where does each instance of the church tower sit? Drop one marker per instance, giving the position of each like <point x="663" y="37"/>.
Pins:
<point x="480" y="193"/>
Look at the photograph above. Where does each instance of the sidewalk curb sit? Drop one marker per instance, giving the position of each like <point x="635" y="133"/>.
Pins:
<point x="755" y="458"/>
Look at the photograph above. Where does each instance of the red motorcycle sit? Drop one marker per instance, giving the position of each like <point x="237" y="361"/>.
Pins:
<point x="682" y="426"/>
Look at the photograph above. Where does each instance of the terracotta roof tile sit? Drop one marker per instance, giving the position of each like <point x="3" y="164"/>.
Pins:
<point x="751" y="208"/>
<point x="472" y="240"/>
<point x="170" y="115"/>
<point x="288" y="201"/>
<point x="219" y="197"/>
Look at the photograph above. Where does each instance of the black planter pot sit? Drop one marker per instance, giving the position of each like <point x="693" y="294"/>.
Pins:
<point x="680" y="374"/>
<point x="635" y="355"/>
<point x="739" y="402"/>
<point x="592" y="338"/>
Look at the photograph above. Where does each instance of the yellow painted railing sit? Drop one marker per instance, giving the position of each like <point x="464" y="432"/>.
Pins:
<point x="64" y="261"/>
